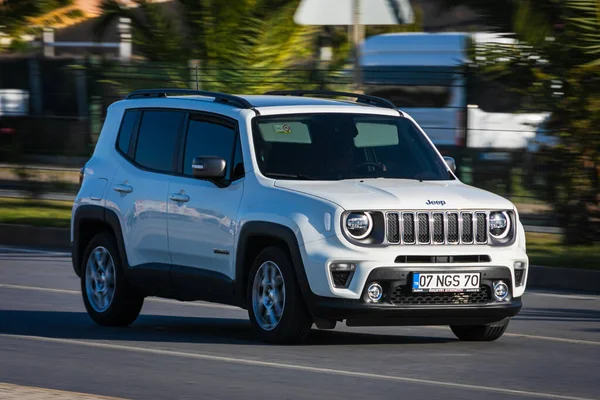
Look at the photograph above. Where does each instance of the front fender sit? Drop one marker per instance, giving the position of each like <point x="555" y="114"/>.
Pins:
<point x="276" y="231"/>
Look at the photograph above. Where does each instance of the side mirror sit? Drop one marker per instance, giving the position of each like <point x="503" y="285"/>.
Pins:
<point x="451" y="163"/>
<point x="209" y="168"/>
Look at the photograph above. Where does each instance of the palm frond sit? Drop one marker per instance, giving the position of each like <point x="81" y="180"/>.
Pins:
<point x="585" y="21"/>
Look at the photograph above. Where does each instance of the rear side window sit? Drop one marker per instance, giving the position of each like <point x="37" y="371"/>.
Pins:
<point x="157" y="139"/>
<point x="127" y="126"/>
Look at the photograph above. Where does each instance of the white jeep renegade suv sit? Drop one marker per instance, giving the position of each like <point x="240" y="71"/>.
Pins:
<point x="299" y="209"/>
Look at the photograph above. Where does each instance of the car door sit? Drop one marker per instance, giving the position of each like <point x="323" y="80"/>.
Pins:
<point x="139" y="191"/>
<point x="202" y="214"/>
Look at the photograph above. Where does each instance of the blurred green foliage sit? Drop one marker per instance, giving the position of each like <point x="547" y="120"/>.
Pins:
<point x="557" y="68"/>
<point x="241" y="45"/>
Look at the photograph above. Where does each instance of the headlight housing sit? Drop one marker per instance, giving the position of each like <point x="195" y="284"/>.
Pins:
<point x="499" y="223"/>
<point x="363" y="227"/>
<point x="358" y="225"/>
<point x="502" y="228"/>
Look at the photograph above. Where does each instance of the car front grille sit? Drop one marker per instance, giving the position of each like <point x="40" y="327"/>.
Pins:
<point x="436" y="227"/>
<point x="403" y="296"/>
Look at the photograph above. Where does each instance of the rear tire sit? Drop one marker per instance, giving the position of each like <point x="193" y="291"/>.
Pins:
<point x="275" y="306"/>
<point x="108" y="299"/>
<point x="481" y="333"/>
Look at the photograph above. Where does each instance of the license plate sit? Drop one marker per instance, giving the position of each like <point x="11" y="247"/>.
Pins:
<point x="446" y="282"/>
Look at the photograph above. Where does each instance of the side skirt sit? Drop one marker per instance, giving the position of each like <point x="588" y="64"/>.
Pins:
<point x="182" y="283"/>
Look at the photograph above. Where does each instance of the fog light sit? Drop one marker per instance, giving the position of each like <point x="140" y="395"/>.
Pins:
<point x="500" y="290"/>
<point x="375" y="292"/>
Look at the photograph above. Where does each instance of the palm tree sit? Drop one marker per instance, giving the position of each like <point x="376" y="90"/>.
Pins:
<point x="243" y="45"/>
<point x="585" y="19"/>
<point x="154" y="31"/>
<point x="21" y="17"/>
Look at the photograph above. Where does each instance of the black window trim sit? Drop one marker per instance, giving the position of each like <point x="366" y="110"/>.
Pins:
<point x="134" y="135"/>
<point x="178" y="156"/>
<point x="134" y="129"/>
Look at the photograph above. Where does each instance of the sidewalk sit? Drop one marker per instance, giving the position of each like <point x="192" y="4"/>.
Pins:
<point x="17" y="392"/>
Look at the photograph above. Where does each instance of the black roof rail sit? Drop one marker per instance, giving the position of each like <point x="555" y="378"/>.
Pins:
<point x="360" y="98"/>
<point x="236" y="101"/>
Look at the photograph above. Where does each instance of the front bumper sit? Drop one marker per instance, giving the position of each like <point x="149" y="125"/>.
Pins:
<point x="316" y="257"/>
<point x="399" y="306"/>
<point x="328" y="301"/>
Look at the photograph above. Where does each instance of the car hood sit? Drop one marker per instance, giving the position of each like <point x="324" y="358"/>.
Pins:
<point x="399" y="194"/>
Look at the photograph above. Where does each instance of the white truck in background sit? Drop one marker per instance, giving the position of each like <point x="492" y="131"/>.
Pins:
<point x="14" y="102"/>
<point x="422" y="74"/>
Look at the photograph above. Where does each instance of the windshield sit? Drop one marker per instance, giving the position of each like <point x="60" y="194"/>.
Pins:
<point x="330" y="146"/>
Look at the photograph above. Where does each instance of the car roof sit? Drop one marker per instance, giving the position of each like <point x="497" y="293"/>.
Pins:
<point x="285" y="98"/>
<point x="275" y="101"/>
<point x="260" y="101"/>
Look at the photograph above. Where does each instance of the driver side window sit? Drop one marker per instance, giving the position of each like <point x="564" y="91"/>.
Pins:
<point x="208" y="138"/>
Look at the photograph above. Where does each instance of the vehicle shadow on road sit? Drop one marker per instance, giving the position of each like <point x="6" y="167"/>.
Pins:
<point x="175" y="329"/>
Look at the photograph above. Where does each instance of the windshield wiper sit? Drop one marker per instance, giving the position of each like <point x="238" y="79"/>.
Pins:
<point x="276" y="175"/>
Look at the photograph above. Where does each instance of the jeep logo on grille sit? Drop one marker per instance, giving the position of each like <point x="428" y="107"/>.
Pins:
<point x="435" y="203"/>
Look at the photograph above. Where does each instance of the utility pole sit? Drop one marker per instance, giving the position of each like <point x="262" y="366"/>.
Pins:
<point x="357" y="38"/>
<point x="355" y="14"/>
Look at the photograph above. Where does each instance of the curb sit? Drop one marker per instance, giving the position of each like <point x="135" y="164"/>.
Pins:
<point x="583" y="280"/>
<point x="539" y="277"/>
<point x="35" y="236"/>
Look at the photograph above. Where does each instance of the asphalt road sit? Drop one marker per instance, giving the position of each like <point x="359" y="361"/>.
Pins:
<point x="206" y="351"/>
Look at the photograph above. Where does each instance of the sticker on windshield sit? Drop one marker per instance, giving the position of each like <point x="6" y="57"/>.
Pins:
<point x="282" y="129"/>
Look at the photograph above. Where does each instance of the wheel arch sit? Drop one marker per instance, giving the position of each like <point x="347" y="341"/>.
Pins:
<point x="88" y="221"/>
<point x="257" y="235"/>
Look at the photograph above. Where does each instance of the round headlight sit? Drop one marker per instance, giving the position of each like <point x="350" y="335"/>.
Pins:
<point x="359" y="225"/>
<point x="499" y="224"/>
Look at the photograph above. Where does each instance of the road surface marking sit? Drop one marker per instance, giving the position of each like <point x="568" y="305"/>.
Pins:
<point x="152" y="299"/>
<point x="222" y="306"/>
<point x="534" y="337"/>
<point x="9" y="391"/>
<point x="38" y="289"/>
<point x="295" y="367"/>
<point x="553" y="339"/>
<point x="566" y="296"/>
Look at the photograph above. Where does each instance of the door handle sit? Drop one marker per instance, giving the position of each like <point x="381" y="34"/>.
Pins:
<point x="122" y="188"/>
<point x="182" y="198"/>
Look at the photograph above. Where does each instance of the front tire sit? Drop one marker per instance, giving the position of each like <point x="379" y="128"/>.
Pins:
<point x="481" y="333"/>
<point x="275" y="306"/>
<point x="108" y="299"/>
